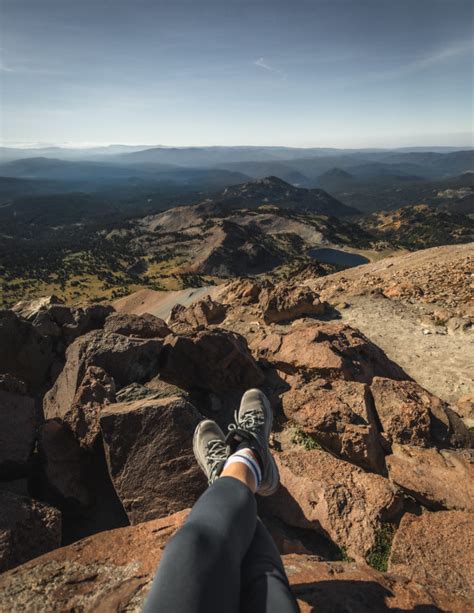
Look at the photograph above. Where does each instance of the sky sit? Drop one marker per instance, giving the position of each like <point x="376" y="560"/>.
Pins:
<point x="305" y="73"/>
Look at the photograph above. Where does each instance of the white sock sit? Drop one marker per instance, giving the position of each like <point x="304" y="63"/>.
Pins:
<point x="246" y="456"/>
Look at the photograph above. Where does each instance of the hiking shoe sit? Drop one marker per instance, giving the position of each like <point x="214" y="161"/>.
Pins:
<point x="253" y="424"/>
<point x="210" y="449"/>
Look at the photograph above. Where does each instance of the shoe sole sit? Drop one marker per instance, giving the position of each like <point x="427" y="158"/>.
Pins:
<point x="272" y="476"/>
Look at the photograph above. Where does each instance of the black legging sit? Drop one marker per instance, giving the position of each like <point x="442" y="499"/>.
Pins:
<point x="223" y="560"/>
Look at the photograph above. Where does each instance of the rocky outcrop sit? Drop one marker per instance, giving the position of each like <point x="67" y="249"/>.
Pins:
<point x="328" y="350"/>
<point x="285" y="302"/>
<point x="339" y="416"/>
<point x="438" y="479"/>
<point x="325" y="494"/>
<point x="17" y="427"/>
<point x="148" y="446"/>
<point x="28" y="528"/>
<point x="96" y="390"/>
<point x="24" y="353"/>
<point x="142" y="326"/>
<point x="436" y="549"/>
<point x="411" y="415"/>
<point x="112" y="571"/>
<point x="124" y="358"/>
<point x="199" y="314"/>
<point x="211" y="360"/>
<point x="241" y="291"/>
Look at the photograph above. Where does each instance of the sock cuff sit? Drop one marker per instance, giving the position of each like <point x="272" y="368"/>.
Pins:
<point x="251" y="464"/>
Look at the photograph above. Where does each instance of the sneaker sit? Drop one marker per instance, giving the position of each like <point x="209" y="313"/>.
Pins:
<point x="210" y="449"/>
<point x="253" y="424"/>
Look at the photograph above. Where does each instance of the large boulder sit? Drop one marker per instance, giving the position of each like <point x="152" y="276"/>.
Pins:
<point x="17" y="427"/>
<point x="148" y="446"/>
<point x="240" y="291"/>
<point x="28" y="528"/>
<point x="339" y="416"/>
<point x="205" y="312"/>
<point x="125" y="359"/>
<point x="143" y="326"/>
<point x="342" y="501"/>
<point x="436" y="549"/>
<point x="411" y="415"/>
<point x="51" y="317"/>
<point x="438" y="479"/>
<point x="112" y="571"/>
<point x="211" y="360"/>
<point x="284" y="302"/>
<point x="345" y="587"/>
<point x="24" y="353"/>
<point x="327" y="350"/>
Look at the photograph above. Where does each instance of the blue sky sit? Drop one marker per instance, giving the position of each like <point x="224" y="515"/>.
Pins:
<point x="342" y="73"/>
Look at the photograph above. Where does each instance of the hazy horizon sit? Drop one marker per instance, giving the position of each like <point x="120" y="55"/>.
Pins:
<point x="321" y="73"/>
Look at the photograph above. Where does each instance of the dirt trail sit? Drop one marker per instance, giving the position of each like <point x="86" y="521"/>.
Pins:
<point x="443" y="364"/>
<point x="161" y="303"/>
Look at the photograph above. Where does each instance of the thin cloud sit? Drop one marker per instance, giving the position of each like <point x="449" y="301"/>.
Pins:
<point x="262" y="63"/>
<point x="437" y="57"/>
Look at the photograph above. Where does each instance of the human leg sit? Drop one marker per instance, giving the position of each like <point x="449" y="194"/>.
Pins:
<point x="200" y="568"/>
<point x="265" y="587"/>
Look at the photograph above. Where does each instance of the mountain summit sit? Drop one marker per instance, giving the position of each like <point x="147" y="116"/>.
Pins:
<point x="272" y="190"/>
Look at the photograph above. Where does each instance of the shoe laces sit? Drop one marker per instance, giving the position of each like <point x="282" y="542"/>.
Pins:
<point x="216" y="454"/>
<point x="251" y="421"/>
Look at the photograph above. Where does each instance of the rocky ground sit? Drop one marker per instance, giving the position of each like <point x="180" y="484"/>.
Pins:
<point x="98" y="408"/>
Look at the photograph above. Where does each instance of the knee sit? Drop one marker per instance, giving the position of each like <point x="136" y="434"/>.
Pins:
<point x="200" y="537"/>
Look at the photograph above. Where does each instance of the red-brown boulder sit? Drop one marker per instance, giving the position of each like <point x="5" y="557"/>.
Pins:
<point x="148" y="446"/>
<point x="328" y="350"/>
<point x="142" y="326"/>
<point x="284" y="302"/>
<point x="411" y="415"/>
<point x="211" y="360"/>
<point x="438" y="479"/>
<point x="323" y="493"/>
<point x="28" y="528"/>
<point x="436" y="549"/>
<point x="125" y="359"/>
<point x="339" y="416"/>
<point x="112" y="571"/>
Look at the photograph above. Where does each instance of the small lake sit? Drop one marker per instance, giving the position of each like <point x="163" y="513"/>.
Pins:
<point x="335" y="256"/>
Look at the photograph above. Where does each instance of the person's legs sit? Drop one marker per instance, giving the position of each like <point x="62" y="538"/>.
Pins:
<point x="200" y="568"/>
<point x="264" y="584"/>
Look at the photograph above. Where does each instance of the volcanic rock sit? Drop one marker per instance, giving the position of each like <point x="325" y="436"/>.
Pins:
<point x="411" y="415"/>
<point x="323" y="493"/>
<point x="51" y="317"/>
<point x="285" y="302"/>
<point x="339" y="416"/>
<point x="202" y="313"/>
<point x="143" y="326"/>
<point x="436" y="549"/>
<point x="240" y="291"/>
<point x="113" y="570"/>
<point x="97" y="389"/>
<point x="148" y="446"/>
<point x="28" y="528"/>
<point x="24" y="353"/>
<point x="328" y="350"/>
<point x="125" y="359"/>
<point x="438" y="479"/>
<point x="17" y="428"/>
<point x="211" y="360"/>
